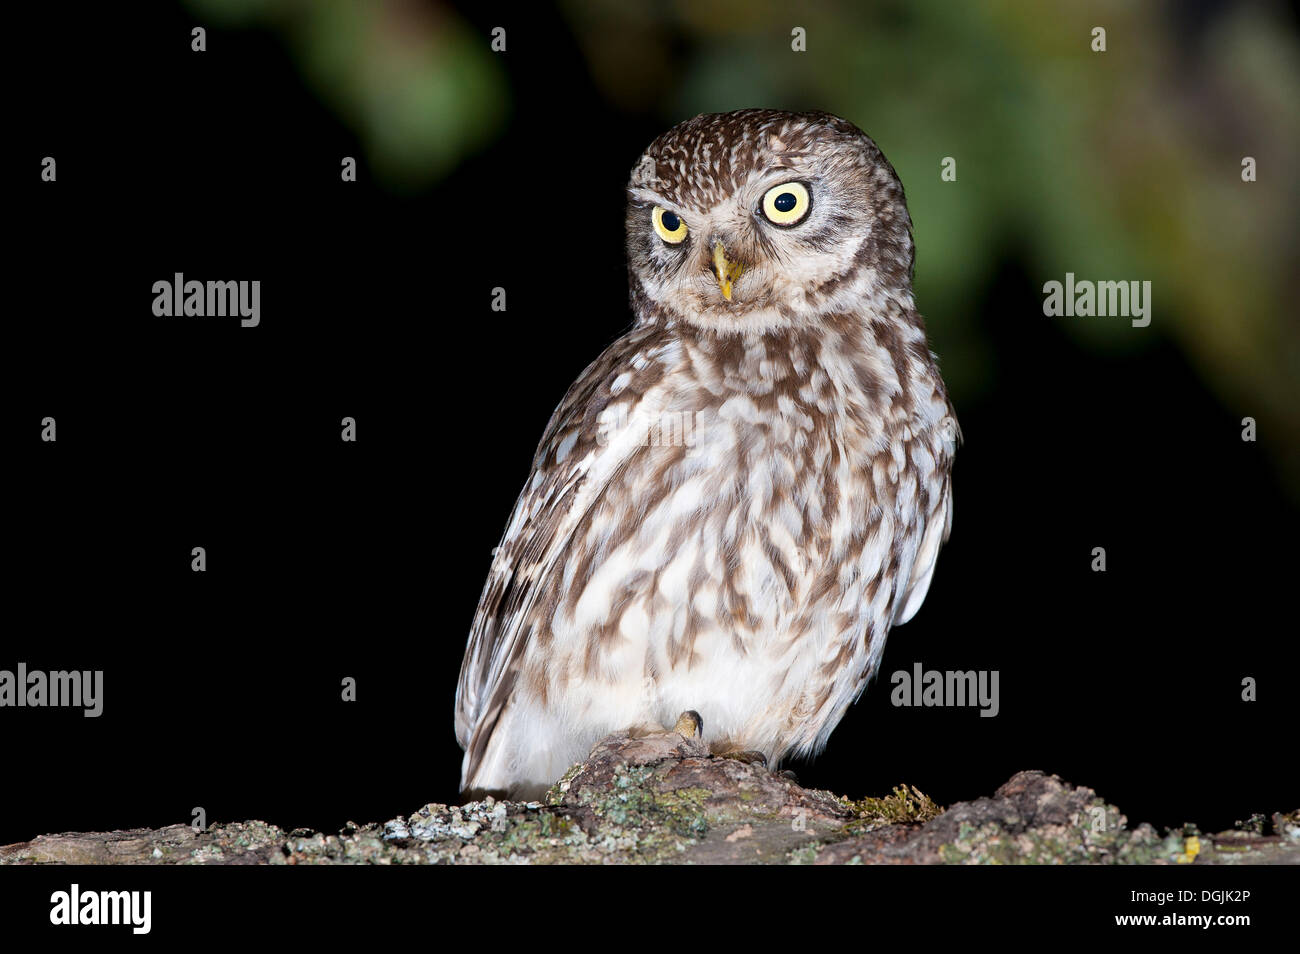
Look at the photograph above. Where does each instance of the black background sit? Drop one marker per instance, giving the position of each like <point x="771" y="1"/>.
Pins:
<point x="328" y="559"/>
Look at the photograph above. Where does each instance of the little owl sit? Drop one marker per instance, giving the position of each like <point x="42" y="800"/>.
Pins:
<point x="736" y="501"/>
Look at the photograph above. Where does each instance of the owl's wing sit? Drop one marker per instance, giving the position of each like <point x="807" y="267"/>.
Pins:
<point x="938" y="525"/>
<point x="573" y="465"/>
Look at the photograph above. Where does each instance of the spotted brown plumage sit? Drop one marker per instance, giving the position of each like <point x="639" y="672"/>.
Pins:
<point x="734" y="503"/>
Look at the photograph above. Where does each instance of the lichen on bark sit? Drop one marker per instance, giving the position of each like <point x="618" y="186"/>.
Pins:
<point x="661" y="798"/>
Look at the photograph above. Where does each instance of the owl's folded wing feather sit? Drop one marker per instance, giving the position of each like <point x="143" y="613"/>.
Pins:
<point x="573" y="465"/>
<point x="937" y="529"/>
<point x="938" y="525"/>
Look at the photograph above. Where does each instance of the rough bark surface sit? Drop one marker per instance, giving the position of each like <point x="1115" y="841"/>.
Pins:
<point x="662" y="799"/>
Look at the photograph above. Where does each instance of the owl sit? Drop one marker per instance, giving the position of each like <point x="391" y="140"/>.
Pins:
<point x="731" y="506"/>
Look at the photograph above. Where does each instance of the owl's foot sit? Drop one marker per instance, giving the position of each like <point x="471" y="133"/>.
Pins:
<point x="748" y="756"/>
<point x="689" y="725"/>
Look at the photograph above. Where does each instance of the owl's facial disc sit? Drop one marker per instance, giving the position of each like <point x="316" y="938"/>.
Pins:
<point x="758" y="220"/>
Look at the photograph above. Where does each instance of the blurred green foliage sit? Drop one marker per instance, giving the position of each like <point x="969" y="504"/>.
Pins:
<point x="419" y="87"/>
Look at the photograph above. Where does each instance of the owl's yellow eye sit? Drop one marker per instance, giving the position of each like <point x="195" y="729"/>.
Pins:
<point x="786" y="204"/>
<point x="669" y="225"/>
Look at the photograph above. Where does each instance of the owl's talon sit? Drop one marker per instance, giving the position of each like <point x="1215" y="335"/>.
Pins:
<point x="689" y="725"/>
<point x="788" y="776"/>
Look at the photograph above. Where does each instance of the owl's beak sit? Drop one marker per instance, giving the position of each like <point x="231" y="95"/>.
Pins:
<point x="726" y="270"/>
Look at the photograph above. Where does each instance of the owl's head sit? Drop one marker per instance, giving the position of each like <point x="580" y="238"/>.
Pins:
<point x="761" y="219"/>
